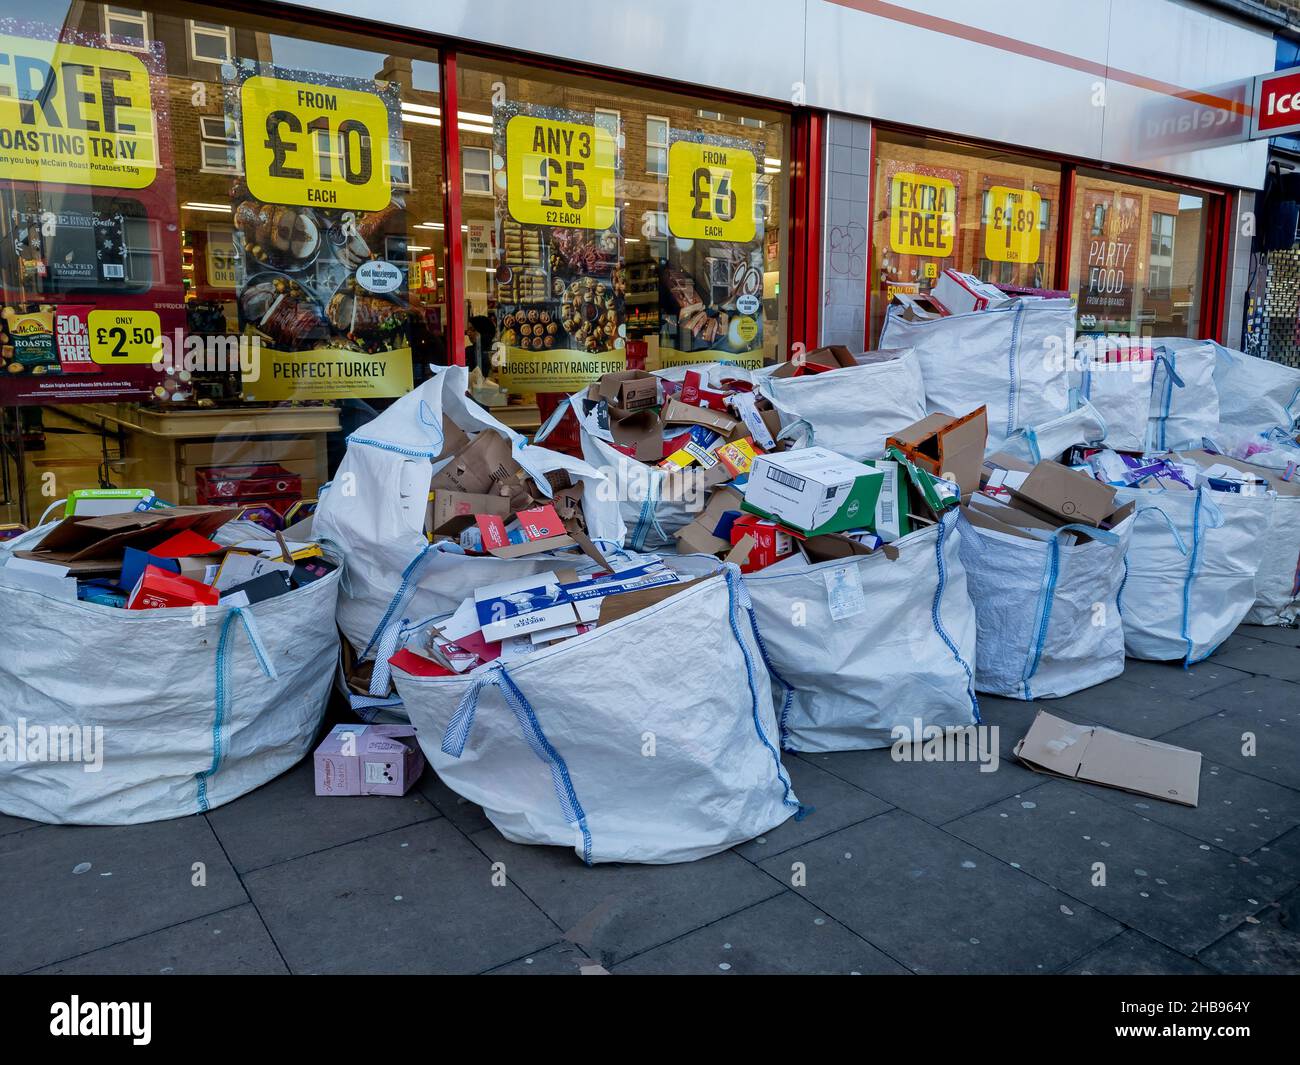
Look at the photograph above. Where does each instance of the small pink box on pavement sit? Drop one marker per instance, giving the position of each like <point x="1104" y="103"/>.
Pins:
<point x="368" y="760"/>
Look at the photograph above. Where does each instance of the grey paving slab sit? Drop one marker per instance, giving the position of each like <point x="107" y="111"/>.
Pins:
<point x="231" y="942"/>
<point x="1282" y="634"/>
<point x="615" y="911"/>
<point x="134" y="879"/>
<point x="1170" y="678"/>
<point x="285" y="819"/>
<point x="1259" y="735"/>
<point x="14" y="824"/>
<point x="785" y="935"/>
<point x="933" y="791"/>
<point x="1267" y="944"/>
<point x="1132" y="954"/>
<point x="835" y="802"/>
<point x="465" y="815"/>
<point x="1235" y="811"/>
<point x="559" y="959"/>
<point x="419" y="899"/>
<point x="939" y="905"/>
<point x="1158" y="880"/>
<point x="1282" y="856"/>
<point x="1012" y="717"/>
<point x="1140" y="709"/>
<point x="1261" y="657"/>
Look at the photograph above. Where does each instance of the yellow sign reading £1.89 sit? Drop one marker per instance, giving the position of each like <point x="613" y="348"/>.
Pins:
<point x="922" y="215"/>
<point x="124" y="337"/>
<point x="75" y="115"/>
<point x="711" y="192"/>
<point x="1012" y="234"/>
<point x="559" y="173"/>
<point x="314" y="145"/>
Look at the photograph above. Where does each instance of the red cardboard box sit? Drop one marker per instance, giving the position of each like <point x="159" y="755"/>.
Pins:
<point x="159" y="589"/>
<point x="771" y="542"/>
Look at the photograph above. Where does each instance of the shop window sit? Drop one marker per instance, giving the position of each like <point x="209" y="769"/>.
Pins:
<point x="126" y="27"/>
<point x="1137" y="267"/>
<point x="590" y="260"/>
<point x="476" y="171"/>
<point x="218" y="146"/>
<point x="941" y="205"/>
<point x="210" y="42"/>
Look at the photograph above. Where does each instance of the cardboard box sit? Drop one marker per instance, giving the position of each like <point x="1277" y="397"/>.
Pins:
<point x="771" y="543"/>
<point x="629" y="390"/>
<point x="813" y="491"/>
<point x="368" y="760"/>
<point x="1065" y="494"/>
<point x="625" y="604"/>
<point x="93" y="546"/>
<point x="960" y="293"/>
<point x="1274" y="478"/>
<point x="1113" y="759"/>
<point x="918" y="308"/>
<point x="486" y="461"/>
<point x="710" y="532"/>
<point x="834" y="547"/>
<point x="832" y="357"/>
<point x="678" y="413"/>
<point x="451" y="512"/>
<point x="737" y="456"/>
<point x="947" y="447"/>
<point x="158" y="589"/>
<point x="90" y="501"/>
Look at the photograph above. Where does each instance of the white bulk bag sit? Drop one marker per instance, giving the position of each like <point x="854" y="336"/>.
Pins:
<point x="196" y="708"/>
<point x="1118" y="389"/>
<point x="1256" y="396"/>
<point x="1277" y="583"/>
<point x="848" y="683"/>
<point x="374" y="511"/>
<point x="1047" y="614"/>
<point x="1083" y="425"/>
<point x="651" y="739"/>
<point x="1191" y="561"/>
<point x="1013" y="359"/>
<point x="1184" y="400"/>
<point x="853" y="409"/>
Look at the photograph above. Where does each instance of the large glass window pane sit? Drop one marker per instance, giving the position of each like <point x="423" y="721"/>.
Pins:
<point x="1135" y="263"/>
<point x="940" y="205"/>
<point x="625" y="227"/>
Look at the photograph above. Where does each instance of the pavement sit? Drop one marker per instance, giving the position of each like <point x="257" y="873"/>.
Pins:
<point x="904" y="867"/>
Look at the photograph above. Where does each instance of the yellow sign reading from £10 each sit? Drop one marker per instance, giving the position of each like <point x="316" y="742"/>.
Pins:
<point x="711" y="192"/>
<point x="123" y="337"/>
<point x="1012" y="233"/>
<point x="314" y="145"/>
<point x="75" y="115"/>
<point x="559" y="173"/>
<point x="922" y="215"/>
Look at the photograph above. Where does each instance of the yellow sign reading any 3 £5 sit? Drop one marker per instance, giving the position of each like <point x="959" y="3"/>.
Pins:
<point x="1012" y="233"/>
<point x="124" y="337"/>
<point x="559" y="173"/>
<point x="314" y="145"/>
<point x="711" y="192"/>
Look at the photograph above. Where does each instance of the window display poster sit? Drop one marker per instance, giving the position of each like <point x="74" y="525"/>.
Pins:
<point x="321" y="259"/>
<point x="1113" y="221"/>
<point x="923" y="205"/>
<point x="560" y="280"/>
<point x="90" y="261"/>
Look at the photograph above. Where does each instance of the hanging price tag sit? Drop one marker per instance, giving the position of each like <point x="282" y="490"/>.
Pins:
<point x="711" y="192"/>
<point x="120" y="338"/>
<point x="1013" y="233"/>
<point x="314" y="145"/>
<point x="559" y="173"/>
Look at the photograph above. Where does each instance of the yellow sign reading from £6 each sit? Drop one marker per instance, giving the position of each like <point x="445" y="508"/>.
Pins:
<point x="922" y="215"/>
<point x="1012" y="233"/>
<point x="124" y="337"/>
<point x="75" y="115"/>
<point x="314" y="145"/>
<point x="559" y="173"/>
<point x="711" y="191"/>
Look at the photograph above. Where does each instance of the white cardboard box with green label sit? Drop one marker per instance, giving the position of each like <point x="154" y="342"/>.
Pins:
<point x="813" y="491"/>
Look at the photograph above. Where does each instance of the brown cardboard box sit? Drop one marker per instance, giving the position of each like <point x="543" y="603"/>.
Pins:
<point x="947" y="447"/>
<point x="1066" y="494"/>
<point x="624" y="604"/>
<point x="629" y="390"/>
<point x="1114" y="759"/>
<point x="94" y="545"/>
<point x="831" y="547"/>
<point x="836" y="356"/>
<point x="486" y="460"/>
<point x="697" y="536"/>
<point x="451" y="512"/>
<point x="678" y="413"/>
<point x="1206" y="459"/>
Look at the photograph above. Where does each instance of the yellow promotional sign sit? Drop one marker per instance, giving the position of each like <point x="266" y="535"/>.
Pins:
<point x="1012" y="233"/>
<point x="221" y="257"/>
<point x="559" y="173"/>
<point x="711" y="192"/>
<point x="328" y="373"/>
<point x="554" y="371"/>
<point x="314" y="145"/>
<point x="75" y="115"/>
<point x="670" y="357"/>
<point x="922" y="215"/>
<point x="120" y="338"/>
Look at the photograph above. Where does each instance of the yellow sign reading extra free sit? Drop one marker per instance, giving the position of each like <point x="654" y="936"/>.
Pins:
<point x="1012" y="233"/>
<point x="120" y="338"/>
<point x="75" y="115"/>
<point x="922" y="215"/>
<point x="559" y="173"/>
<point x="711" y="192"/>
<point x="314" y="145"/>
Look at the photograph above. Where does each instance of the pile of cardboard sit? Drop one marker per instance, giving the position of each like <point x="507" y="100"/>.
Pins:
<point x="1183" y="471"/>
<point x="161" y="557"/>
<point x="955" y="292"/>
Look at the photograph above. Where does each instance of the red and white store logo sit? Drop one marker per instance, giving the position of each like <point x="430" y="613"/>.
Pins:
<point x="1277" y="102"/>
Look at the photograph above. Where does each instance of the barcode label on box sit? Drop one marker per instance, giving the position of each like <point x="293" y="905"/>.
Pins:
<point x="790" y="480"/>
